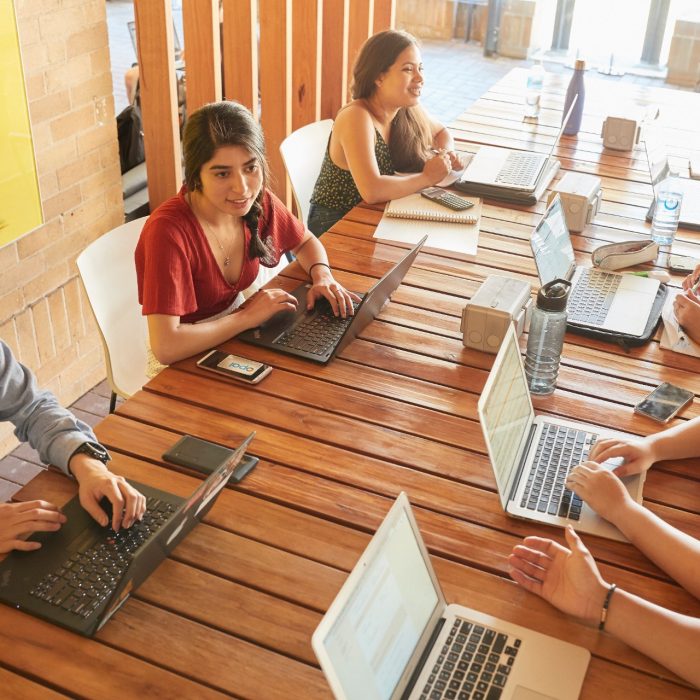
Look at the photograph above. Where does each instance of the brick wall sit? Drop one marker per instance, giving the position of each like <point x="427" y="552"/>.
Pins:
<point x="44" y="315"/>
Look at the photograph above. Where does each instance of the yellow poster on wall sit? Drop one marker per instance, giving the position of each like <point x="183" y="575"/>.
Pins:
<point x="20" y="203"/>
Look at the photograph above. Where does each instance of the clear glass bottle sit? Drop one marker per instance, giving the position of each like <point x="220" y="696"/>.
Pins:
<point x="576" y="87"/>
<point x="533" y="94"/>
<point x="546" y="337"/>
<point x="667" y="211"/>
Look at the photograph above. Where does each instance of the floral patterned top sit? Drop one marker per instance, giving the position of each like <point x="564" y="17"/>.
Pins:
<point x="335" y="188"/>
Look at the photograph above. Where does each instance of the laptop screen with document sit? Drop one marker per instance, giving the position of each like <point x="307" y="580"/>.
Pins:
<point x="383" y="618"/>
<point x="507" y="415"/>
<point x="551" y="245"/>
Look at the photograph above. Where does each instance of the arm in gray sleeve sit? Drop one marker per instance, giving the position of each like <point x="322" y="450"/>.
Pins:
<point x="38" y="418"/>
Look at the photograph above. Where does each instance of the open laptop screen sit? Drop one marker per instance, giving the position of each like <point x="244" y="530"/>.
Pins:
<point x="506" y="412"/>
<point x="380" y="623"/>
<point x="551" y="245"/>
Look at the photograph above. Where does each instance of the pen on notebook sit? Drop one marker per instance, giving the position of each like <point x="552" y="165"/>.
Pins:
<point x="660" y="275"/>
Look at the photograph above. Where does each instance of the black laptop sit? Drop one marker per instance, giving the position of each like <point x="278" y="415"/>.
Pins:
<point x="317" y="334"/>
<point x="84" y="572"/>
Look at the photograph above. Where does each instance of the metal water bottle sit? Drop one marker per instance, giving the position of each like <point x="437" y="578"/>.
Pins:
<point x="576" y="87"/>
<point x="546" y="337"/>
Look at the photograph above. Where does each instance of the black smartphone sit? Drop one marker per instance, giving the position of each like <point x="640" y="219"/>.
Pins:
<point x="447" y="199"/>
<point x="664" y="402"/>
<point x="205" y="457"/>
<point x="234" y="366"/>
<point x="682" y="263"/>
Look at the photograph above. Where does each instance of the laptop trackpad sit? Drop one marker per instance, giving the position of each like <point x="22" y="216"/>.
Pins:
<point x="521" y="693"/>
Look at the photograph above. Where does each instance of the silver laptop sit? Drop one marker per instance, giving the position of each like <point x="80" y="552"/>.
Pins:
<point x="509" y="168"/>
<point x="531" y="455"/>
<point x="598" y="299"/>
<point x="390" y="634"/>
<point x="659" y="170"/>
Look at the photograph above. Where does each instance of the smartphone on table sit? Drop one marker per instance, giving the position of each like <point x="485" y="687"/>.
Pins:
<point x="205" y="457"/>
<point x="447" y="199"/>
<point x="234" y="366"/>
<point x="682" y="263"/>
<point x="664" y="402"/>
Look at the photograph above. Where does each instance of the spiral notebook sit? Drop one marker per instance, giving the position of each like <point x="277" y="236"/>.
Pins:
<point x="410" y="218"/>
<point x="418" y="208"/>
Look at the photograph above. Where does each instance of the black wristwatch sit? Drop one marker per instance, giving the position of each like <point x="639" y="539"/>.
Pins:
<point x="94" y="450"/>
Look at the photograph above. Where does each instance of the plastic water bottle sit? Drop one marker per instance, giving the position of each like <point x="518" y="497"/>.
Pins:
<point x="546" y="337"/>
<point x="667" y="211"/>
<point x="576" y="87"/>
<point x="533" y="95"/>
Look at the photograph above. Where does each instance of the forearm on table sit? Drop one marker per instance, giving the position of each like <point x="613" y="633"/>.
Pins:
<point x="182" y="340"/>
<point x="382" y="188"/>
<point x="673" y="551"/>
<point x="679" y="442"/>
<point x="668" y="637"/>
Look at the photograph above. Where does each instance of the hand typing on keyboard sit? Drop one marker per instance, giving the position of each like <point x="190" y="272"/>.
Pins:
<point x="601" y="489"/>
<point x="95" y="481"/>
<point x="325" y="287"/>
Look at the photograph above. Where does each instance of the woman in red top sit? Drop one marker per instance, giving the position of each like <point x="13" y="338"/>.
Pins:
<point x="200" y="249"/>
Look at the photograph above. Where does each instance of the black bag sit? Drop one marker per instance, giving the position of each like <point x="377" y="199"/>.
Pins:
<point x="624" y="340"/>
<point x="130" y="135"/>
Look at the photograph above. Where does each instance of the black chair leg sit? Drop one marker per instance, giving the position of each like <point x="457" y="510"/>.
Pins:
<point x="112" y="402"/>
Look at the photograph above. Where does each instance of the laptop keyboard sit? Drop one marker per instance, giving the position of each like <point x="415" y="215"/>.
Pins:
<point x="559" y="449"/>
<point x="520" y="169"/>
<point x="89" y="576"/>
<point x="474" y="664"/>
<point x="317" y="333"/>
<point x="592" y="296"/>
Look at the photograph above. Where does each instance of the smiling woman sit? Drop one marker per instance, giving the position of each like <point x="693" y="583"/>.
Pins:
<point x="202" y="248"/>
<point x="382" y="132"/>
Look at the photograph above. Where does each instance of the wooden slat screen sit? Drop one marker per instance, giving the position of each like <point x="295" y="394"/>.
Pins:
<point x="200" y="19"/>
<point x="297" y="75"/>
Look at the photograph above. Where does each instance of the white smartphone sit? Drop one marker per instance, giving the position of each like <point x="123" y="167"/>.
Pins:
<point x="664" y="402"/>
<point x="233" y="366"/>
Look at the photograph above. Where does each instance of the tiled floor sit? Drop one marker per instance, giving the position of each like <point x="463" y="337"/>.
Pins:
<point x="456" y="75"/>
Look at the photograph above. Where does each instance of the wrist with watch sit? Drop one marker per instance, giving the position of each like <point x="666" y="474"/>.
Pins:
<point x="93" y="450"/>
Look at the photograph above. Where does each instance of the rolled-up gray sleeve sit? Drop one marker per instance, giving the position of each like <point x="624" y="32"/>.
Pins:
<point x="38" y="418"/>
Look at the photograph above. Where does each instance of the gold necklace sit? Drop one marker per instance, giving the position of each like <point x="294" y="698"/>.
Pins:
<point x="227" y="257"/>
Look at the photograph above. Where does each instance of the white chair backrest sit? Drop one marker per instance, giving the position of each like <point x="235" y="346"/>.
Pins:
<point x="108" y="272"/>
<point x="302" y="152"/>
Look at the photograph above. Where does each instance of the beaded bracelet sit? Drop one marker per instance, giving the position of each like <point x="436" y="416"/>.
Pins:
<point x="318" y="263"/>
<point x="606" y="604"/>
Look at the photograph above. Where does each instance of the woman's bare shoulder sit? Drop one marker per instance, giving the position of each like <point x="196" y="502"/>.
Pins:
<point x="354" y="114"/>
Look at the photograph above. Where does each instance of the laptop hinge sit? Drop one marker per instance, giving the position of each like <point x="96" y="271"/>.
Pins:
<point x="423" y="658"/>
<point x="521" y="463"/>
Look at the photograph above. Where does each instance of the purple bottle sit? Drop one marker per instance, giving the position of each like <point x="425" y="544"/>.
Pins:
<point x="576" y="87"/>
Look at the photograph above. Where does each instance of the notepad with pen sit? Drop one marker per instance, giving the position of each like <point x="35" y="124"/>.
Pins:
<point x="418" y="208"/>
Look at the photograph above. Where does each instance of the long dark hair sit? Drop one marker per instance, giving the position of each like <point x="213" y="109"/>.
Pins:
<point x="410" y="138"/>
<point x="226" y="124"/>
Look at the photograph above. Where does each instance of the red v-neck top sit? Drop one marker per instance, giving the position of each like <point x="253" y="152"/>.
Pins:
<point x="176" y="271"/>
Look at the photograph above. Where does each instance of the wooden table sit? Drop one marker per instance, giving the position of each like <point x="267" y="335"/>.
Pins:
<point x="231" y="613"/>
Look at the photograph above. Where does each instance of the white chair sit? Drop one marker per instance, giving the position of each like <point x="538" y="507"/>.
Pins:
<point x="302" y="152"/>
<point x="108" y="273"/>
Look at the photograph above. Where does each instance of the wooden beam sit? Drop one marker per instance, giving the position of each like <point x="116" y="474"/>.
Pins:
<point x="306" y="62"/>
<point x="384" y="15"/>
<point x="200" y="19"/>
<point x="240" y="52"/>
<point x="276" y="86"/>
<point x="334" y="68"/>
<point x="360" y="29"/>
<point x="154" y="31"/>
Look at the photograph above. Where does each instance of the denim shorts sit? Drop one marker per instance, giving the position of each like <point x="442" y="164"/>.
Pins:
<point x="322" y="218"/>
